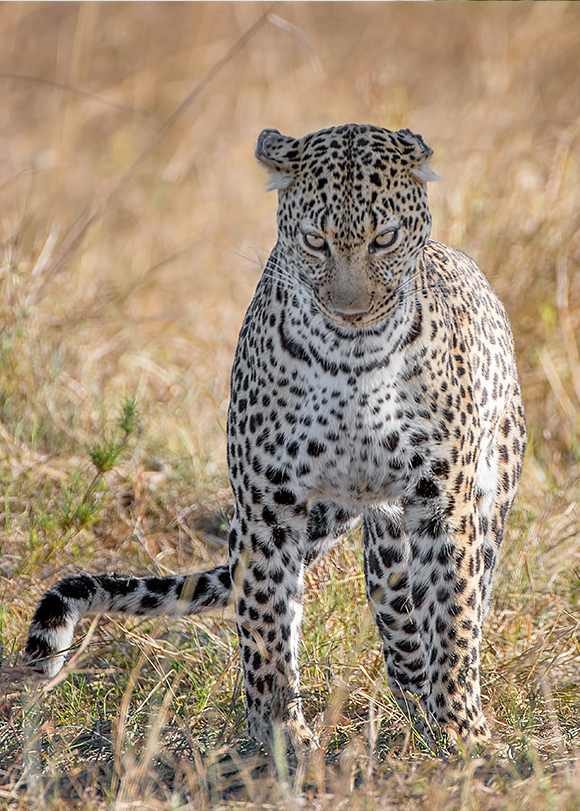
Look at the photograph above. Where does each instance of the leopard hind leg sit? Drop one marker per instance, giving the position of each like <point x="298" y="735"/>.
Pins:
<point x="386" y="561"/>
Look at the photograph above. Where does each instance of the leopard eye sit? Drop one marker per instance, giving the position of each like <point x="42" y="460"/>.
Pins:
<point x="315" y="241"/>
<point x="386" y="239"/>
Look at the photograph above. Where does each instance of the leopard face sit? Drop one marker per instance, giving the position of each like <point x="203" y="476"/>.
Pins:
<point x="352" y="214"/>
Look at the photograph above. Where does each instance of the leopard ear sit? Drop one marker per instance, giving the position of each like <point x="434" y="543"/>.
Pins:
<point x="418" y="154"/>
<point x="277" y="153"/>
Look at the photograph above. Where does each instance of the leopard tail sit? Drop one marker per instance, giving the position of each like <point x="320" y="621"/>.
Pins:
<point x="68" y="601"/>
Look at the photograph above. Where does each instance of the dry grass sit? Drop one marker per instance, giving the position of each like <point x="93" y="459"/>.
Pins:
<point x="123" y="276"/>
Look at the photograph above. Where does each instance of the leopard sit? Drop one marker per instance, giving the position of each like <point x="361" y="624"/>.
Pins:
<point x="374" y="382"/>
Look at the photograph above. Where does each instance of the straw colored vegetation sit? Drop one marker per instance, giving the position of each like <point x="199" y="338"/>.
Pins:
<point x="129" y="254"/>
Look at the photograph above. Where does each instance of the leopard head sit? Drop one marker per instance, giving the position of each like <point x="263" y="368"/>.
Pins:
<point x="352" y="214"/>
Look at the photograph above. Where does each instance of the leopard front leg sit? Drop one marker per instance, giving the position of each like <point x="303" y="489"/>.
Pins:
<point x="267" y="561"/>
<point x="446" y="571"/>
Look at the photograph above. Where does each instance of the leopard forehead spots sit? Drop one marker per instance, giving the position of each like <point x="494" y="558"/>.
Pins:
<point x="350" y="180"/>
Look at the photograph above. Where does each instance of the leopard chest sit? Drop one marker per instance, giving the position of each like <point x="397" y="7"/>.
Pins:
<point x="331" y="430"/>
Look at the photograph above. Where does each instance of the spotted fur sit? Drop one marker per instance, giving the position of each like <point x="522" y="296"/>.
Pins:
<point x="374" y="378"/>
